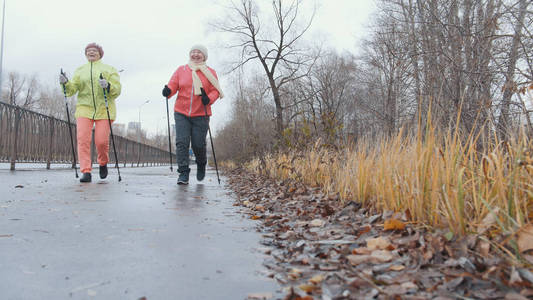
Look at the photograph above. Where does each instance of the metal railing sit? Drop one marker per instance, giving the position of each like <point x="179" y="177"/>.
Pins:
<point x="27" y="136"/>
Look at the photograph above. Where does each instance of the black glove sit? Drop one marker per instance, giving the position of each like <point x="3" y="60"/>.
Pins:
<point x="166" y="91"/>
<point x="205" y="99"/>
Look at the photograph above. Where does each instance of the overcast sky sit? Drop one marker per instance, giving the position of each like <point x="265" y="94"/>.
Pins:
<point x="148" y="40"/>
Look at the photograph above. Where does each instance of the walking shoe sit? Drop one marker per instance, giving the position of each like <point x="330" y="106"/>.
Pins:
<point x="86" y="177"/>
<point x="183" y="178"/>
<point x="103" y="171"/>
<point x="200" y="173"/>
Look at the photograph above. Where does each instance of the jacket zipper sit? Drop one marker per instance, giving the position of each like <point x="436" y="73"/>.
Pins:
<point x="192" y="93"/>
<point x="190" y="105"/>
<point x="92" y="90"/>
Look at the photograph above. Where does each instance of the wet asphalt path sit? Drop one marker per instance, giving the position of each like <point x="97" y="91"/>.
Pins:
<point x="142" y="237"/>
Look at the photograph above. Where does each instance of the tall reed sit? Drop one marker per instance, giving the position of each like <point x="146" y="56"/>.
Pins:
<point x="440" y="179"/>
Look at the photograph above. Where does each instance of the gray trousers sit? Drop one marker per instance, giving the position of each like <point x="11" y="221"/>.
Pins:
<point x="190" y="131"/>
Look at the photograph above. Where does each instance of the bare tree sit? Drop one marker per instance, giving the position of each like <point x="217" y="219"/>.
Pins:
<point x="453" y="56"/>
<point x="510" y="85"/>
<point x="426" y="62"/>
<point x="250" y="131"/>
<point x="22" y="90"/>
<point x="277" y="51"/>
<point x="321" y="101"/>
<point x="52" y="103"/>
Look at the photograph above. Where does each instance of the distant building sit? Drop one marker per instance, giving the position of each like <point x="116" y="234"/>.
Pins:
<point x="119" y="129"/>
<point x="133" y="128"/>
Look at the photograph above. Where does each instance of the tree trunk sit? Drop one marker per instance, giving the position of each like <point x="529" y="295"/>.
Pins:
<point x="504" y="120"/>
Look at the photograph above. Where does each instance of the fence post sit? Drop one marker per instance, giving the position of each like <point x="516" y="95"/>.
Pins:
<point x="125" y="152"/>
<point x="18" y="115"/>
<point x="50" y="144"/>
<point x="139" y="156"/>
<point x="133" y="153"/>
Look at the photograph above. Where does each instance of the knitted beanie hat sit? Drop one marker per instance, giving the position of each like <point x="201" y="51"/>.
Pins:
<point x="98" y="47"/>
<point x="200" y="48"/>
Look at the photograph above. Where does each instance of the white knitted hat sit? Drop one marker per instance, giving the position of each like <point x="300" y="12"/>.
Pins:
<point x="201" y="48"/>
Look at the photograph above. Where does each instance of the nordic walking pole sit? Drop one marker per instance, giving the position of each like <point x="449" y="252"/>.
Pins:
<point x="169" y="144"/>
<point x="111" y="129"/>
<point x="69" y="127"/>
<point x="212" y="148"/>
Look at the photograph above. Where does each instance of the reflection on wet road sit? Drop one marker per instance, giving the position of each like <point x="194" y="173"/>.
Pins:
<point x="142" y="237"/>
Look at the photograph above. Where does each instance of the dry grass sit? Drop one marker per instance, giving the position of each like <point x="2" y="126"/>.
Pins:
<point x="228" y="164"/>
<point x="439" y="180"/>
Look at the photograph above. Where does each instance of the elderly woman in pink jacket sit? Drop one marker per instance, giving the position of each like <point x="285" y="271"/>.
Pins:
<point x="198" y="88"/>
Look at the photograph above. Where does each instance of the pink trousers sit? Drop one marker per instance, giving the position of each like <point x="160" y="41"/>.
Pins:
<point x="101" y="140"/>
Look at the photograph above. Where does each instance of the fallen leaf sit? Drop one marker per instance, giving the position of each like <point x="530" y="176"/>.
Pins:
<point x="254" y="217"/>
<point x="514" y="296"/>
<point x="334" y="242"/>
<point x="484" y="248"/>
<point x="448" y="236"/>
<point x="361" y="250"/>
<point x="515" y="277"/>
<point x="377" y="243"/>
<point x="381" y="256"/>
<point x="316" y="279"/>
<point x="259" y="296"/>
<point x="364" y="230"/>
<point x="396" y="267"/>
<point x="409" y="285"/>
<point x="525" y="238"/>
<point x="328" y="267"/>
<point x="488" y="221"/>
<point x="393" y="224"/>
<point x="317" y="223"/>
<point x="308" y="288"/>
<point x="395" y="289"/>
<point x="357" y="259"/>
<point x="529" y="258"/>
<point x="295" y="273"/>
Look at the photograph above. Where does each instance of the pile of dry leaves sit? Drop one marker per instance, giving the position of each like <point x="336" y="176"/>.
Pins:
<point x="321" y="249"/>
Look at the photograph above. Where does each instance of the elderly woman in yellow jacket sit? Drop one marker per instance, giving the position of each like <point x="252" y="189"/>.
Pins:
<point x="91" y="109"/>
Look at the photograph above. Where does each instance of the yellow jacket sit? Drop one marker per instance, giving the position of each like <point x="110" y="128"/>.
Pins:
<point x="91" y="103"/>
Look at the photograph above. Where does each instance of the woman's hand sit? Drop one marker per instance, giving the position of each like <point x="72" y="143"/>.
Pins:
<point x="62" y="78"/>
<point x="103" y="83"/>
<point x="205" y="98"/>
<point x="166" y="91"/>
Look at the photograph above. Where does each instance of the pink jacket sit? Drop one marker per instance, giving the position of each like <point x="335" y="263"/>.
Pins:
<point x="187" y="103"/>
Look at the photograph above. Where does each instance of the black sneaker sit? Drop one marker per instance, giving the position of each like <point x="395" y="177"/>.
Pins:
<point x="103" y="171"/>
<point x="183" y="178"/>
<point x="86" y="177"/>
<point x="200" y="173"/>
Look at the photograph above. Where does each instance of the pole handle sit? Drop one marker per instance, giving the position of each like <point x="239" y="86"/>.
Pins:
<point x="64" y="87"/>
